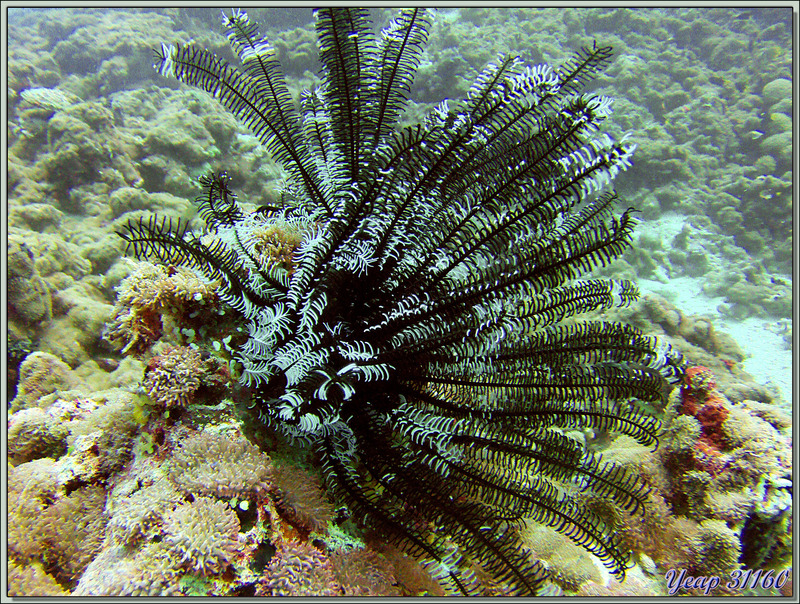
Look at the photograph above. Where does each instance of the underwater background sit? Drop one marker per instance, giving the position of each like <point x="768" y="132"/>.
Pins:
<point x="114" y="366"/>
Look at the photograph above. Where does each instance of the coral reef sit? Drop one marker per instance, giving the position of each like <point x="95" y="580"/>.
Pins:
<point x="202" y="535"/>
<point x="299" y="494"/>
<point x="181" y="375"/>
<point x="363" y="572"/>
<point x="382" y="355"/>
<point x="153" y="301"/>
<point x="60" y="532"/>
<point x="298" y="570"/>
<point x="719" y="487"/>
<point x="72" y="531"/>
<point x="217" y="465"/>
<point x="96" y="138"/>
<point x="736" y="470"/>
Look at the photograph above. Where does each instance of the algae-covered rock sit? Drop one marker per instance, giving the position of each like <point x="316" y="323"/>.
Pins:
<point x="569" y="565"/>
<point x="776" y="90"/>
<point x="716" y="549"/>
<point x="178" y="132"/>
<point x="28" y="294"/>
<point x="77" y="332"/>
<point x="779" y="146"/>
<point x="35" y="216"/>
<point x="33" y="434"/>
<point x="40" y="374"/>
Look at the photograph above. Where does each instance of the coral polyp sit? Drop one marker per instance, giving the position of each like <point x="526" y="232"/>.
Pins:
<point x="409" y="308"/>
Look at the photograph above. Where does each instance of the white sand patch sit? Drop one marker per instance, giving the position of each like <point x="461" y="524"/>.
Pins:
<point x="768" y="360"/>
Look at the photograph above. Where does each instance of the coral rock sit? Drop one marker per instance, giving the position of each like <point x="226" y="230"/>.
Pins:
<point x="28" y="294"/>
<point x="42" y="373"/>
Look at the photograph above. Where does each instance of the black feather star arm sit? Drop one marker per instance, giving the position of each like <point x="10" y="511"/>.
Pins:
<point x="420" y="331"/>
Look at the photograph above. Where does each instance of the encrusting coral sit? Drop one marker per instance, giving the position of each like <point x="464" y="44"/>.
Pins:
<point x="32" y="486"/>
<point x="569" y="565"/>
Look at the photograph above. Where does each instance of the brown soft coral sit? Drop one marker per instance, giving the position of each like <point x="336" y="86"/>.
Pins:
<point x="155" y="300"/>
<point x="61" y="532"/>
<point x="31" y="580"/>
<point x="298" y="569"/>
<point x="73" y="529"/>
<point x="117" y="572"/>
<point x="214" y="464"/>
<point x="140" y="515"/>
<point x="716" y="549"/>
<point x="179" y="376"/>
<point x="203" y="535"/>
<point x="32" y="487"/>
<point x="300" y="496"/>
<point x="363" y="572"/>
